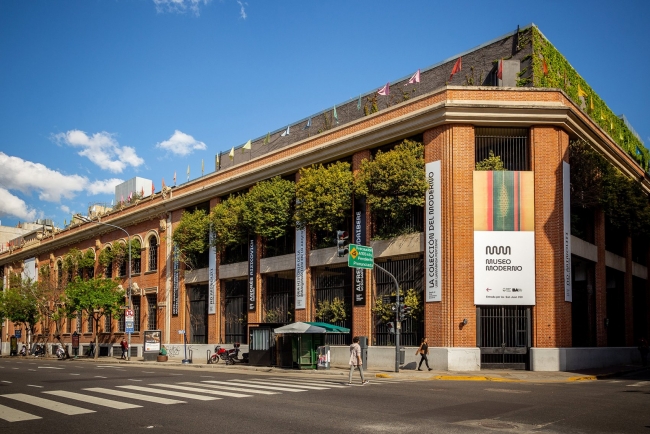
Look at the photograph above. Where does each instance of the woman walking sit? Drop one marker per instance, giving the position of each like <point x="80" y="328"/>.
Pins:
<point x="423" y="351"/>
<point x="355" y="360"/>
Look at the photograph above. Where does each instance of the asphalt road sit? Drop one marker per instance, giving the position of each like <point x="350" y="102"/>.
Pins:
<point x="49" y="396"/>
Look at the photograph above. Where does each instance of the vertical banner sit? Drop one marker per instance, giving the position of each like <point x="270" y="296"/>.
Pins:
<point x="252" y="271"/>
<point x="504" y="238"/>
<point x="212" y="276"/>
<point x="433" y="247"/>
<point x="360" y="239"/>
<point x="301" y="270"/>
<point x="566" y="202"/>
<point x="175" y="281"/>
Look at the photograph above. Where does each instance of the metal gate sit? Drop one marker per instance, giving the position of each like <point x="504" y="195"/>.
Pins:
<point x="236" y="314"/>
<point x="504" y="336"/>
<point x="198" y="298"/>
<point x="280" y="298"/>
<point x="331" y="283"/>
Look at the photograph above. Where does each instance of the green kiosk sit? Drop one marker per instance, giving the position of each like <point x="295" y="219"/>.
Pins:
<point x="302" y="344"/>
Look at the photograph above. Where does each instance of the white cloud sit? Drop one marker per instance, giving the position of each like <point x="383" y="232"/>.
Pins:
<point x="65" y="209"/>
<point x="179" y="6"/>
<point x="181" y="144"/>
<point x="106" y="186"/>
<point x="102" y="149"/>
<point x="242" y="11"/>
<point x="14" y="206"/>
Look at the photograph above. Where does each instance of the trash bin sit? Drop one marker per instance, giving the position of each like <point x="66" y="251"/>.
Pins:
<point x="323" y="357"/>
<point x="363" y="343"/>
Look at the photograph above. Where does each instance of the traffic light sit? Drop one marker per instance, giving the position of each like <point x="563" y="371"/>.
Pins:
<point x="341" y="242"/>
<point x="406" y="311"/>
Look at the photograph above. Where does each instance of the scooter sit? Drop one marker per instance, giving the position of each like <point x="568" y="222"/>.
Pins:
<point x="233" y="355"/>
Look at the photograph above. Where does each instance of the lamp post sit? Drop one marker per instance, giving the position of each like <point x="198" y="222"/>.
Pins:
<point x="128" y="237"/>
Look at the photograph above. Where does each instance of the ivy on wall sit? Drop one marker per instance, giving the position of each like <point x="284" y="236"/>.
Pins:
<point x="560" y="74"/>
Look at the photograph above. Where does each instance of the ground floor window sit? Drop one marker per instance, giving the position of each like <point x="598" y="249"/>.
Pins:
<point x="236" y="313"/>
<point x="333" y="285"/>
<point x="198" y="301"/>
<point x="279" y="304"/>
<point x="583" y="306"/>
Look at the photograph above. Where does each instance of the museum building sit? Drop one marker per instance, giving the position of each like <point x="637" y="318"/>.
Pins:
<point x="505" y="262"/>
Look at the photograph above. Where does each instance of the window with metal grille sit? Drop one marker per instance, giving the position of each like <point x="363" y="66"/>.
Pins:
<point x="153" y="254"/>
<point x="121" y="323"/>
<point x="331" y="283"/>
<point x="108" y="270"/>
<point x="135" y="265"/>
<point x="89" y="324"/>
<point x="123" y="267"/>
<point x="90" y="272"/>
<point x="409" y="274"/>
<point x="152" y="311"/>
<point x="198" y="300"/>
<point x="59" y="272"/>
<point x="107" y="323"/>
<point x="236" y="312"/>
<point x="511" y="144"/>
<point x="280" y="299"/>
<point x="136" y="314"/>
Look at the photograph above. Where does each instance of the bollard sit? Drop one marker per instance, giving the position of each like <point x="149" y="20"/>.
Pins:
<point x="190" y="359"/>
<point x="209" y="353"/>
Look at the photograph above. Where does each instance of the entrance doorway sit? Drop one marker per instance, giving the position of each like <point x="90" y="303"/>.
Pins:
<point x="236" y="313"/>
<point x="198" y="298"/>
<point x="504" y="336"/>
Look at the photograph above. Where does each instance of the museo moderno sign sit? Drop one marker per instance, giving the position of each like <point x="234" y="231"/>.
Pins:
<point x="504" y="238"/>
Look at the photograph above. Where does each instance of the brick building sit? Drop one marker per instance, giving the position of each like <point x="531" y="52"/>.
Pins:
<point x="509" y="272"/>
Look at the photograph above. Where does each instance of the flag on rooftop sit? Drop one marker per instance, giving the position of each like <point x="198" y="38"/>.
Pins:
<point x="142" y="192"/>
<point x="188" y="172"/>
<point x="286" y="132"/>
<point x="384" y="91"/>
<point x="414" y="79"/>
<point x="174" y="177"/>
<point x="248" y="146"/>
<point x="202" y="167"/>
<point x="581" y="92"/>
<point x="335" y="116"/>
<point x="500" y="70"/>
<point x="232" y="153"/>
<point x="308" y="124"/>
<point x="359" y="103"/>
<point x="112" y="202"/>
<point x="216" y="161"/>
<point x="458" y="66"/>
<point x="267" y="139"/>
<point x="153" y="189"/>
<point x="591" y="102"/>
<point x="163" y="183"/>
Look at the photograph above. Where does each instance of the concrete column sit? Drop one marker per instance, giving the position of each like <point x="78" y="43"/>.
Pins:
<point x="551" y="314"/>
<point x="628" y="294"/>
<point x="453" y="145"/>
<point x="601" y="279"/>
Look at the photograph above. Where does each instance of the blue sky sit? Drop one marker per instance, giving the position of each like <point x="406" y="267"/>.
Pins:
<point x="97" y="91"/>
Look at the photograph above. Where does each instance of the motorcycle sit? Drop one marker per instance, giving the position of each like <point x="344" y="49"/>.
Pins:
<point x="219" y="354"/>
<point x="233" y="355"/>
<point x="60" y="352"/>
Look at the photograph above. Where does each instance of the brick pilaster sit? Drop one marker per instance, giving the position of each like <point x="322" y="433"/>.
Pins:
<point x="551" y="314"/>
<point x="453" y="145"/>
<point x="601" y="279"/>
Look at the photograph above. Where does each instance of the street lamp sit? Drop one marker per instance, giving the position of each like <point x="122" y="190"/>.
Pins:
<point x="128" y="237"/>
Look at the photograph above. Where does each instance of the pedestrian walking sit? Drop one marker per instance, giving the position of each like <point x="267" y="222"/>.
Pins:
<point x="643" y="349"/>
<point x="355" y="360"/>
<point x="125" y="346"/>
<point x="423" y="351"/>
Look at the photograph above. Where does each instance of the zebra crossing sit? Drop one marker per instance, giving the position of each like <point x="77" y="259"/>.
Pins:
<point x="47" y="403"/>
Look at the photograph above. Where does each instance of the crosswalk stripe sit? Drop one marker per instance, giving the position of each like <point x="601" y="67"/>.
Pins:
<point x="48" y="404"/>
<point x="639" y="384"/>
<point x="169" y="392"/>
<point x="93" y="399"/>
<point x="239" y="389"/>
<point x="297" y="386"/>
<point x="256" y="386"/>
<point x="307" y="382"/>
<point x="137" y="396"/>
<point x="200" y="390"/>
<point x="12" y="415"/>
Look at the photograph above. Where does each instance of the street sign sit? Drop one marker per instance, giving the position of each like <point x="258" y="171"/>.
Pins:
<point x="128" y="327"/>
<point x="181" y="332"/>
<point x="361" y="257"/>
<point x="128" y="313"/>
<point x="18" y="333"/>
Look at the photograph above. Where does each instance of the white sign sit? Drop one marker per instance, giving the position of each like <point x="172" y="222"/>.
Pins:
<point x="301" y="270"/>
<point x="566" y="202"/>
<point x="433" y="242"/>
<point x="504" y="267"/>
<point x="29" y="270"/>
<point x="128" y="314"/>
<point x="212" y="276"/>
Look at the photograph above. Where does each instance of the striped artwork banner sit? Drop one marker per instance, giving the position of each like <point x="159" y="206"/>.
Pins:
<point x="504" y="201"/>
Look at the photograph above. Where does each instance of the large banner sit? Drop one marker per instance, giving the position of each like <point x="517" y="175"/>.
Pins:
<point x="252" y="271"/>
<point x="504" y="238"/>
<point x="566" y="201"/>
<point x="433" y="246"/>
<point x="212" y="276"/>
<point x="29" y="270"/>
<point x="301" y="269"/>
<point x="360" y="238"/>
<point x="175" y="279"/>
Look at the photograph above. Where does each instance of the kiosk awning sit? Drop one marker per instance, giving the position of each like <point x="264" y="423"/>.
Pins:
<point x="310" y="327"/>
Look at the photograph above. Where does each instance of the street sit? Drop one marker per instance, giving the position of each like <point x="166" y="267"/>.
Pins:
<point x="53" y="396"/>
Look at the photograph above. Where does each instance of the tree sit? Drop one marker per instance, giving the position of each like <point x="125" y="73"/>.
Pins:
<point x="324" y="196"/>
<point x="191" y="237"/>
<point x="393" y="183"/>
<point x="268" y="209"/>
<point x="96" y="297"/>
<point x="492" y="162"/>
<point x="227" y="220"/>
<point x="19" y="303"/>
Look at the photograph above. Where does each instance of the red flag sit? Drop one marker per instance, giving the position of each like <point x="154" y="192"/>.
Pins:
<point x="153" y="189"/>
<point x="385" y="91"/>
<point x="458" y="66"/>
<point x="544" y="67"/>
<point x="500" y="71"/>
<point x="163" y="183"/>
<point x="142" y="193"/>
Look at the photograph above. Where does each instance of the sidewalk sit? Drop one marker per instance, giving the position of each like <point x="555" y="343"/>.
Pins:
<point x="494" y="375"/>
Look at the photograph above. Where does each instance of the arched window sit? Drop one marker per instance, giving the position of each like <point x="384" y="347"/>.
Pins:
<point x="59" y="272"/>
<point x="153" y="253"/>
